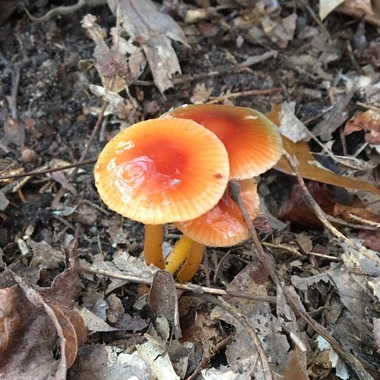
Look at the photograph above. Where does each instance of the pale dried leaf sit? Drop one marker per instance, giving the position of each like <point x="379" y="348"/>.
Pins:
<point x="290" y="125"/>
<point x="4" y="202"/>
<point x="108" y="362"/>
<point x="327" y="6"/>
<point x="153" y="30"/>
<point x="158" y="360"/>
<point x="93" y="322"/>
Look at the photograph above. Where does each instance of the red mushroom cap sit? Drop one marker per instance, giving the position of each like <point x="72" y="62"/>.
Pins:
<point x="252" y="141"/>
<point x="162" y="170"/>
<point x="224" y="225"/>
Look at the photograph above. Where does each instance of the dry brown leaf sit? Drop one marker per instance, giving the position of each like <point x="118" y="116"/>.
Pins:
<point x="30" y="325"/>
<point x="163" y="300"/>
<point x="295" y="210"/>
<point x="280" y="31"/>
<point x="111" y="65"/>
<point x="306" y="167"/>
<point x="371" y="239"/>
<point x="308" y="170"/>
<point x="153" y="30"/>
<point x="369" y="121"/>
<point x="295" y="370"/>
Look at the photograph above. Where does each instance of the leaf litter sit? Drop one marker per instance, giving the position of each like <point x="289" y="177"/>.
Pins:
<point x="321" y="319"/>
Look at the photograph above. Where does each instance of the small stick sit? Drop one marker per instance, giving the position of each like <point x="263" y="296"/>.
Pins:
<point x="188" y="287"/>
<point x="46" y="171"/>
<point x="203" y="363"/>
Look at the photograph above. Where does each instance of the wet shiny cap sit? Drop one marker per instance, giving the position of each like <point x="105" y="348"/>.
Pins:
<point x="252" y="141"/>
<point x="224" y="225"/>
<point x="162" y="170"/>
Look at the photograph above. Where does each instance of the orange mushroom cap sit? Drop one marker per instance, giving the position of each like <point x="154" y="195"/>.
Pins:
<point x="224" y="225"/>
<point x="252" y="141"/>
<point x="162" y="170"/>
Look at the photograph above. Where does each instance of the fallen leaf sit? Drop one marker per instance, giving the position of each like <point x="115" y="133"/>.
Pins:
<point x="163" y="300"/>
<point x="62" y="180"/>
<point x="327" y="6"/>
<point x="368" y="121"/>
<point x="290" y="126"/>
<point x="93" y="322"/>
<point x="32" y="322"/>
<point x="157" y="358"/>
<point x="201" y="94"/>
<point x="153" y="30"/>
<point x="307" y="165"/>
<point x="99" y="362"/>
<point x="308" y="168"/>
<point x="14" y="132"/>
<point x="371" y="239"/>
<point x="111" y="65"/>
<point x="4" y="202"/>
<point x="295" y="210"/>
<point x="280" y="31"/>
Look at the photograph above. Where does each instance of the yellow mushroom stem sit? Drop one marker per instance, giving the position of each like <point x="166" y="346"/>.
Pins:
<point x="153" y="245"/>
<point x="192" y="263"/>
<point x="178" y="254"/>
<point x="188" y="252"/>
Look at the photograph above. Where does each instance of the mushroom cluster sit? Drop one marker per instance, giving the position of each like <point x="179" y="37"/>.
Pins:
<point x="175" y="169"/>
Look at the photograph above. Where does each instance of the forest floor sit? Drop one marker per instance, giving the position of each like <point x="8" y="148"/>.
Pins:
<point x="76" y="297"/>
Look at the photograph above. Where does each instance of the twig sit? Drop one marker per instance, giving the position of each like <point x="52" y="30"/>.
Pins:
<point x="203" y="363"/>
<point x="266" y="91"/>
<point x="64" y="10"/>
<point x="62" y="190"/>
<point x="189" y="287"/>
<point x="14" y="90"/>
<point x="46" y="171"/>
<point x="322" y="216"/>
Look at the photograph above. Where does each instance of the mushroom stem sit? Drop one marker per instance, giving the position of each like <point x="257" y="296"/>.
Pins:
<point x="178" y="254"/>
<point x="192" y="262"/>
<point x="153" y="245"/>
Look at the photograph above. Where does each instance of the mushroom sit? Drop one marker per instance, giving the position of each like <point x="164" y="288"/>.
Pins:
<point x="222" y="226"/>
<point x="253" y="144"/>
<point x="252" y="141"/>
<point x="160" y="171"/>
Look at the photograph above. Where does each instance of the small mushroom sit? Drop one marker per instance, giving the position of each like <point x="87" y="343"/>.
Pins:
<point x="222" y="226"/>
<point x="253" y="144"/>
<point x="160" y="171"/>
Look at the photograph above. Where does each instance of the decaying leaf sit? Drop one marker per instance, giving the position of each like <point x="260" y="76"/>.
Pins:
<point x="368" y="121"/>
<point x="309" y="169"/>
<point x="327" y="6"/>
<point x="163" y="300"/>
<point x="32" y="322"/>
<point x="260" y="318"/>
<point x="157" y="358"/>
<point x="290" y="126"/>
<point x="308" y="166"/>
<point x="99" y="362"/>
<point x="295" y="210"/>
<point x="153" y="30"/>
<point x="110" y="63"/>
<point x="280" y="31"/>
